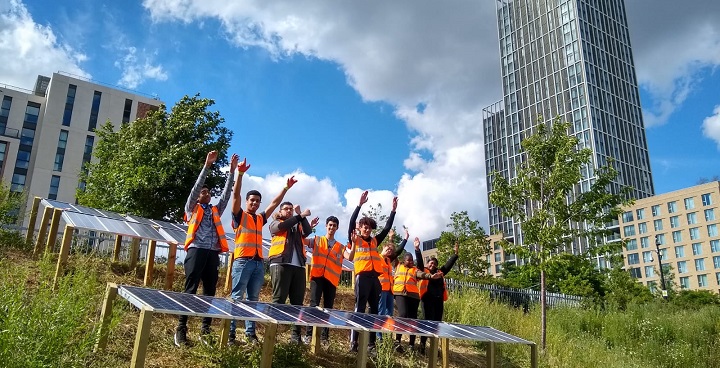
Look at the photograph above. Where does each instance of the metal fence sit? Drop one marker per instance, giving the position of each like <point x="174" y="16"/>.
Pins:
<point x="519" y="298"/>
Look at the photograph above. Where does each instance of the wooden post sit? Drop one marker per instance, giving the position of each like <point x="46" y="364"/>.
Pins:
<point x="308" y="266"/>
<point x="445" y="348"/>
<point x="116" y="249"/>
<point x="490" y="355"/>
<point x="432" y="362"/>
<point x="33" y="217"/>
<point x="225" y="333"/>
<point x="268" y="345"/>
<point x="64" y="251"/>
<point x="54" y="225"/>
<point x="170" y="275"/>
<point x="134" y="250"/>
<point x="150" y="262"/>
<point x="106" y="316"/>
<point x="228" y="273"/>
<point x="141" y="338"/>
<point x="315" y="341"/>
<point x="533" y="356"/>
<point x="362" y="354"/>
<point x="42" y="231"/>
<point x="352" y="280"/>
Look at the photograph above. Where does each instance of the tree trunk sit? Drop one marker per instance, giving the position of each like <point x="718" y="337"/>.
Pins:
<point x="543" y="308"/>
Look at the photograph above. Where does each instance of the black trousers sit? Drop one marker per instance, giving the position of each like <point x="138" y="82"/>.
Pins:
<point x="367" y="293"/>
<point x="288" y="281"/>
<point x="433" y="308"/>
<point x="200" y="265"/>
<point x="320" y="287"/>
<point x="408" y="308"/>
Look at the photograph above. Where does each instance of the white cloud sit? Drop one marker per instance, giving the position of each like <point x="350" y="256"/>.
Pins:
<point x="711" y="126"/>
<point x="35" y="48"/>
<point x="135" y="70"/>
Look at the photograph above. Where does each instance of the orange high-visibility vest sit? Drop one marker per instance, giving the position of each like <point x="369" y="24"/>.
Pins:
<point x="194" y="223"/>
<point x="277" y="246"/>
<point x="423" y="286"/>
<point x="248" y="236"/>
<point x="367" y="257"/>
<point x="405" y="280"/>
<point x="386" y="277"/>
<point x="327" y="262"/>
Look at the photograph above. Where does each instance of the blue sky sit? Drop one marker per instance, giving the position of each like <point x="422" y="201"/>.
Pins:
<point x="353" y="96"/>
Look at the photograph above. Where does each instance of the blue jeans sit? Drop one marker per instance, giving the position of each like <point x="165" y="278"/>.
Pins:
<point x="247" y="278"/>
<point x="386" y="307"/>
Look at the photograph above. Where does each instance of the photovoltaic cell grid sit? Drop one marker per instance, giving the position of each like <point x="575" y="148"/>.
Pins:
<point x="110" y="225"/>
<point x="82" y="209"/>
<point x="205" y="306"/>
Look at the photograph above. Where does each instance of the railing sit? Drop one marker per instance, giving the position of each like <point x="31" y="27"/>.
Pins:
<point x="520" y="298"/>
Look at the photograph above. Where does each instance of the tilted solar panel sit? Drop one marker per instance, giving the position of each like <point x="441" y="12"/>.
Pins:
<point x="105" y="224"/>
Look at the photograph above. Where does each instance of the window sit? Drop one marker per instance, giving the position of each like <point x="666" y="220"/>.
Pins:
<point x="32" y="111"/>
<point x="694" y="233"/>
<point x="658" y="225"/>
<point x="631" y="244"/>
<point x="127" y="110"/>
<point x="682" y="267"/>
<point x="697" y="249"/>
<point x="684" y="282"/>
<point x="716" y="261"/>
<point x="674" y="222"/>
<point x="647" y="257"/>
<point x="663" y="254"/>
<point x="18" y="183"/>
<point x="717" y="278"/>
<point x="689" y="203"/>
<point x="69" y="103"/>
<point x="629" y="230"/>
<point x="644" y="242"/>
<point x="700" y="264"/>
<point x="672" y="207"/>
<point x="712" y="230"/>
<point x="710" y="214"/>
<point x="27" y="136"/>
<point x="677" y="236"/>
<point x="649" y="271"/>
<point x="702" y="281"/>
<point x="706" y="199"/>
<point x="5" y="113"/>
<point x="87" y="154"/>
<point x="94" y="110"/>
<point x="715" y="246"/>
<point x="680" y="251"/>
<point x="60" y="152"/>
<point x="23" y="160"/>
<point x="660" y="239"/>
<point x="54" y="187"/>
<point x="633" y="258"/>
<point x="635" y="272"/>
<point x="498" y="257"/>
<point x="692" y="218"/>
<point x="655" y="210"/>
<point x="640" y="214"/>
<point x="3" y="151"/>
<point x="642" y="228"/>
<point x="627" y="216"/>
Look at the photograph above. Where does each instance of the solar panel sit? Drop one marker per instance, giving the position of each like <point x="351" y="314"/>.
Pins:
<point x="377" y="323"/>
<point x="277" y="314"/>
<point x="105" y="224"/>
<point x="82" y="209"/>
<point x="323" y="318"/>
<point x="482" y="333"/>
<point x="173" y="236"/>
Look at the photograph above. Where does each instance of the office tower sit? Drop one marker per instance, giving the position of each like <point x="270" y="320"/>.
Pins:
<point x="573" y="59"/>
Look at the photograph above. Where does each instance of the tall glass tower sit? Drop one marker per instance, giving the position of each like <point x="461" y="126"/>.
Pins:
<point x="568" y="58"/>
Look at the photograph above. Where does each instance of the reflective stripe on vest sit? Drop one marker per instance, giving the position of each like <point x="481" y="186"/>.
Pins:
<point x="277" y="246"/>
<point x="405" y="280"/>
<point x="386" y="276"/>
<point x="367" y="257"/>
<point x="326" y="262"/>
<point x="197" y="216"/>
<point x="423" y="286"/>
<point x="248" y="236"/>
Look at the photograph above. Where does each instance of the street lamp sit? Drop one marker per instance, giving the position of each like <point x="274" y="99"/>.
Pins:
<point x="662" y="274"/>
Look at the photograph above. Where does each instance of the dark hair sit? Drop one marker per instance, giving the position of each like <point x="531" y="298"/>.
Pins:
<point x="286" y="203"/>
<point x="433" y="259"/>
<point x="408" y="255"/>
<point x="333" y="219"/>
<point x="252" y="192"/>
<point x="369" y="222"/>
<point x="205" y="187"/>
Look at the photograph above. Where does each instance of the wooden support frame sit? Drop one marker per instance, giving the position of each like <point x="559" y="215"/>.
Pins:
<point x="315" y="340"/>
<point x="445" y="348"/>
<point x="133" y="254"/>
<point x="432" y="361"/>
<point x="533" y="356"/>
<point x="490" y="352"/>
<point x="33" y="217"/>
<point x="228" y="273"/>
<point x="111" y="292"/>
<point x="142" y="336"/>
<point x="170" y="273"/>
<point x="362" y="354"/>
<point x="42" y="230"/>
<point x="225" y="332"/>
<point x="64" y="252"/>
<point x="150" y="263"/>
<point x="116" y="248"/>
<point x="352" y="280"/>
<point x="52" y="235"/>
<point x="268" y="346"/>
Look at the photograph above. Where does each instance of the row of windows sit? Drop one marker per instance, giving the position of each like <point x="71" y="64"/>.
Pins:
<point x="672" y="207"/>
<point x="694" y="232"/>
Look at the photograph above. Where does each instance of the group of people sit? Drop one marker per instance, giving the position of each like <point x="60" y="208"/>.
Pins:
<point x="381" y="279"/>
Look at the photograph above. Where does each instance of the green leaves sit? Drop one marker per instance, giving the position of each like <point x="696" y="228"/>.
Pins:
<point x="473" y="243"/>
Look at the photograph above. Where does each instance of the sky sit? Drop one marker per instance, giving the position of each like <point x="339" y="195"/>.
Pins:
<point x="348" y="96"/>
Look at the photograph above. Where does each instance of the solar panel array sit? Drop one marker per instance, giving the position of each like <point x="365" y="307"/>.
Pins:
<point x="204" y="306"/>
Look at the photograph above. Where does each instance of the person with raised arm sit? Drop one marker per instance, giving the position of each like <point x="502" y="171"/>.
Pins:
<point x="204" y="242"/>
<point x="389" y="254"/>
<point x="248" y="271"/>
<point x="368" y="263"/>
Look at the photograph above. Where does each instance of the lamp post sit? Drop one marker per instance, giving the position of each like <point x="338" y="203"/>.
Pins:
<point x="662" y="274"/>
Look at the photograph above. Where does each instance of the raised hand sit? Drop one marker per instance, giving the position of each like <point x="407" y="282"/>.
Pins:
<point x="210" y="158"/>
<point x="297" y="209"/>
<point x="315" y="221"/>
<point x="391" y="234"/>
<point x="363" y="198"/>
<point x="407" y="234"/>
<point x="243" y="166"/>
<point x="290" y="182"/>
<point x="394" y="205"/>
<point x="233" y="162"/>
<point x="305" y="213"/>
<point x="416" y="243"/>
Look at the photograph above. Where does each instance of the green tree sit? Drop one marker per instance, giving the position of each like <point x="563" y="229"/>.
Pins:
<point x="473" y="243"/>
<point x="376" y="213"/>
<point x="547" y="203"/>
<point x="622" y="289"/>
<point x="11" y="210"/>
<point x="148" y="167"/>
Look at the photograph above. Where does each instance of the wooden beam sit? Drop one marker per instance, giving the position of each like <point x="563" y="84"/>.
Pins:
<point x="42" y="231"/>
<point x="117" y="247"/>
<point x="445" y="349"/>
<point x="31" y="225"/>
<point x="106" y="316"/>
<point x="64" y="252"/>
<point x="134" y="250"/>
<point x="315" y="341"/>
<point x="52" y="235"/>
<point x="362" y="354"/>
<point x="141" y="338"/>
<point x="533" y="356"/>
<point x="268" y="345"/>
<point x="432" y="362"/>
<point x="170" y="273"/>
<point x="490" y="355"/>
<point x="150" y="263"/>
<point x="224" y="333"/>
<point x="228" y="273"/>
<point x="352" y="280"/>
